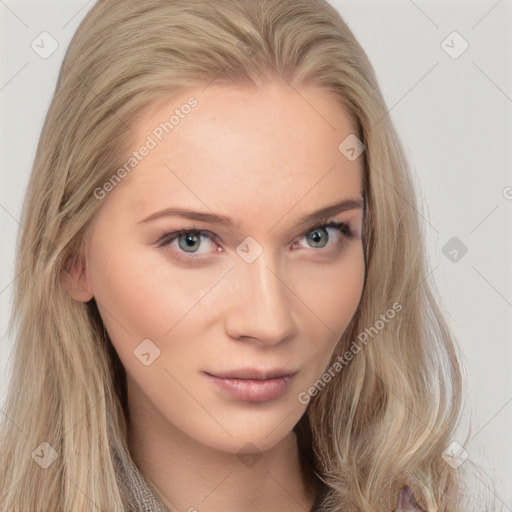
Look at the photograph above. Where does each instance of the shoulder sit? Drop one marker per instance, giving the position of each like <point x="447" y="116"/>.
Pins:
<point x="407" y="501"/>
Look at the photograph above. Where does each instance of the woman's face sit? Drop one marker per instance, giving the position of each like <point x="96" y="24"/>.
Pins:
<point x="262" y="290"/>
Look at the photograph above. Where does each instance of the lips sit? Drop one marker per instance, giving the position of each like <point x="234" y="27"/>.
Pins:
<point x="253" y="374"/>
<point x="251" y="385"/>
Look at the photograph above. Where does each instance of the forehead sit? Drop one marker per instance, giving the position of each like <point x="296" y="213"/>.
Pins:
<point x="242" y="147"/>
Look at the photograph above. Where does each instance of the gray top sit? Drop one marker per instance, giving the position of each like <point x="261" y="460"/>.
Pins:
<point x="146" y="498"/>
<point x="148" y="501"/>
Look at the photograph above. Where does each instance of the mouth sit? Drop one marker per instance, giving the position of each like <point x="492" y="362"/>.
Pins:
<point x="252" y="385"/>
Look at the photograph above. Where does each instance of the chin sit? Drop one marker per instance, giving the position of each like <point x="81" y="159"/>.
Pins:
<point x="251" y="436"/>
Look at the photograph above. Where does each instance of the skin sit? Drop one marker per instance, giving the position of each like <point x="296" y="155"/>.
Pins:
<point x="265" y="169"/>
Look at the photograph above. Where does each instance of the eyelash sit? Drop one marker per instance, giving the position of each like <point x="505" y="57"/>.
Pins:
<point x="342" y="227"/>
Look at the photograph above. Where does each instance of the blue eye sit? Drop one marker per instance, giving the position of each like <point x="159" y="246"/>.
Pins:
<point x="189" y="240"/>
<point x="316" y="234"/>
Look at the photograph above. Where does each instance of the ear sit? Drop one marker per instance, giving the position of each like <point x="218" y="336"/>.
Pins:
<point x="76" y="281"/>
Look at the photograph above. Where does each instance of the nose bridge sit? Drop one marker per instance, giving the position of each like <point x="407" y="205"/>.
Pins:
<point x="262" y="307"/>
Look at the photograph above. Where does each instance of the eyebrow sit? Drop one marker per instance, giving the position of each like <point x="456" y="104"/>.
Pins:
<point x="317" y="216"/>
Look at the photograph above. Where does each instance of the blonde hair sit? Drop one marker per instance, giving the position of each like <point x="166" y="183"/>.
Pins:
<point x="381" y="423"/>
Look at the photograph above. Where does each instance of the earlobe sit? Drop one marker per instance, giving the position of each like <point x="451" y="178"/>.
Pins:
<point x="76" y="282"/>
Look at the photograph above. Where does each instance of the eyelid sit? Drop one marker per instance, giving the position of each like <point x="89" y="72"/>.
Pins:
<point x="322" y="223"/>
<point x="174" y="234"/>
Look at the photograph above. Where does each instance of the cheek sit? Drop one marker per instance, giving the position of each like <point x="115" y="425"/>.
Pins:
<point x="333" y="291"/>
<point x="138" y="299"/>
<point x="142" y="295"/>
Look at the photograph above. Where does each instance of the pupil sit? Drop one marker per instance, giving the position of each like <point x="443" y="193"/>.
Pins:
<point x="315" y="236"/>
<point x="190" y="240"/>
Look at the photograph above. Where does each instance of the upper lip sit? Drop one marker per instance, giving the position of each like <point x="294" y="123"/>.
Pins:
<point x="252" y="373"/>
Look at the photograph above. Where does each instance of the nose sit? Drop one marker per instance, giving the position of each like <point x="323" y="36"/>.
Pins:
<point x="261" y="307"/>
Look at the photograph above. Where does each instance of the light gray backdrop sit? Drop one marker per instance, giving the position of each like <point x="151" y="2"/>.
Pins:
<point x="445" y="71"/>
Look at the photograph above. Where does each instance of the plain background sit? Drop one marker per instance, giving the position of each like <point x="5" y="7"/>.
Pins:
<point x="453" y="113"/>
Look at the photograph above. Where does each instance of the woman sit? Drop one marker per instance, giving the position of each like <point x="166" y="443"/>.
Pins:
<point x="277" y="348"/>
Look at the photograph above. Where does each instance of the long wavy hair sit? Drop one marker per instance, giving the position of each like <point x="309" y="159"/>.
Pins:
<point x="387" y="417"/>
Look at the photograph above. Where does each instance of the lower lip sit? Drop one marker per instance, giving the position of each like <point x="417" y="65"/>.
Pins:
<point x="251" y="390"/>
